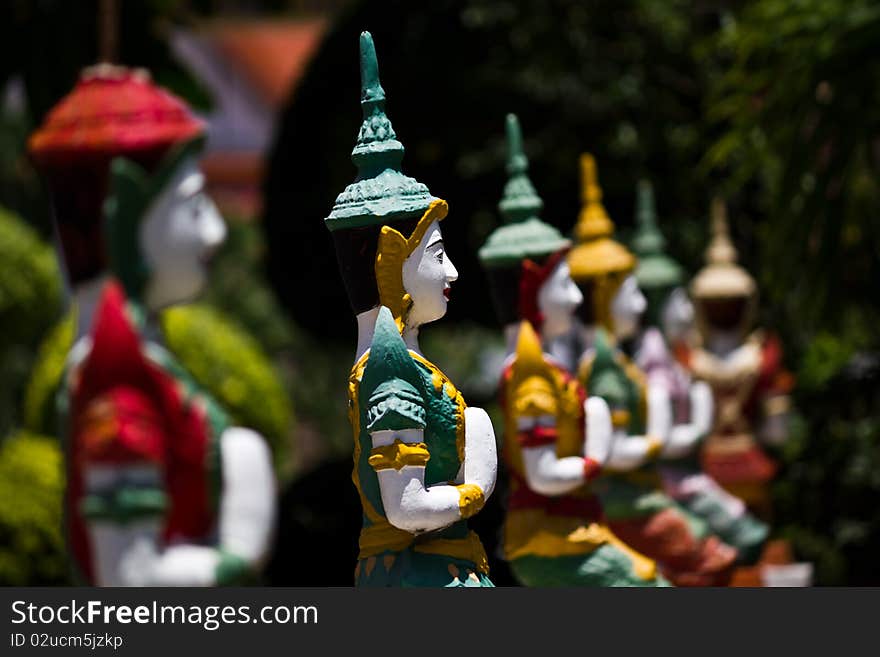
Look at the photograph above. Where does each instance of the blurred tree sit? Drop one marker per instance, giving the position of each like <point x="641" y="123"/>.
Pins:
<point x="31" y="487"/>
<point x="30" y="300"/>
<point x="800" y="110"/>
<point x="800" y="146"/>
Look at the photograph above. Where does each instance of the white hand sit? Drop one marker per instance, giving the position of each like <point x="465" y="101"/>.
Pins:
<point x="659" y="412"/>
<point x="138" y="563"/>
<point x="186" y="565"/>
<point x="683" y="438"/>
<point x="600" y="432"/>
<point x="480" y="453"/>
<point x="702" y="407"/>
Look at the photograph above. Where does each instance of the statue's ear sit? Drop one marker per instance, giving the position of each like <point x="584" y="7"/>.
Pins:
<point x="127" y="200"/>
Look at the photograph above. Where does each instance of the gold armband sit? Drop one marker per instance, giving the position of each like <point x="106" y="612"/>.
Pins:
<point x="654" y="446"/>
<point x="620" y="418"/>
<point x="470" y="499"/>
<point x="399" y="454"/>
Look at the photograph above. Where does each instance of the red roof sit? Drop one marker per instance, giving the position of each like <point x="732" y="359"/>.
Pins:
<point x="272" y="55"/>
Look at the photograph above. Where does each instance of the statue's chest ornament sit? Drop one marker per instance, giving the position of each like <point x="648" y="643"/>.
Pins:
<point x="740" y="368"/>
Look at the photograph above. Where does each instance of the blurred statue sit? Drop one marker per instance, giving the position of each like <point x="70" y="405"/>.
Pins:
<point x="751" y="392"/>
<point x="744" y="368"/>
<point x="667" y="321"/>
<point x="162" y="489"/>
<point x="423" y="461"/>
<point x="556" y="438"/>
<point x="631" y="489"/>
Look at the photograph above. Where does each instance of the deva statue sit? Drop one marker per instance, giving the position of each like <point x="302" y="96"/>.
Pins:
<point x="630" y="488"/>
<point x="424" y="462"/>
<point x="557" y="439"/>
<point x="744" y="368"/>
<point x="162" y="488"/>
<point x="666" y="323"/>
<point x="751" y="390"/>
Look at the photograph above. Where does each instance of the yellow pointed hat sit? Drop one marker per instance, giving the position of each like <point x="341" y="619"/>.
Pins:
<point x="722" y="277"/>
<point x="596" y="253"/>
<point x="531" y="376"/>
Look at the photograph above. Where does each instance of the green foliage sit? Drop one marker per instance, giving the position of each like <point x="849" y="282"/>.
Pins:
<point x="30" y="289"/>
<point x="799" y="110"/>
<point x="231" y="365"/>
<point x="30" y="284"/>
<point x="31" y="493"/>
<point x="826" y="355"/>
<point x="313" y="370"/>
<point x="40" y="415"/>
<point x="238" y="266"/>
<point x="826" y="496"/>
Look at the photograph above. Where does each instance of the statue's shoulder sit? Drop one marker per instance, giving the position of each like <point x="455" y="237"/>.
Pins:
<point x="390" y="387"/>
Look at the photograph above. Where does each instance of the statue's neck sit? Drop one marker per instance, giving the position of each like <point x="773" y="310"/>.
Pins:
<point x="366" y="322"/>
<point x="511" y="335"/>
<point x="151" y="330"/>
<point x="411" y="339"/>
<point x="723" y="343"/>
<point x="85" y="298"/>
<point x="565" y="347"/>
<point x="586" y="335"/>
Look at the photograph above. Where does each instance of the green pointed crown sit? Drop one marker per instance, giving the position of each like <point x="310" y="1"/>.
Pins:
<point x="524" y="235"/>
<point x="380" y="193"/>
<point x="391" y="383"/>
<point x="655" y="268"/>
<point x="131" y="191"/>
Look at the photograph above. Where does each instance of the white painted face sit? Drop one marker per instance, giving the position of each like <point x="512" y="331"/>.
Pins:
<point x="627" y="307"/>
<point x="178" y="234"/>
<point x="427" y="274"/>
<point x="558" y="298"/>
<point x="677" y="315"/>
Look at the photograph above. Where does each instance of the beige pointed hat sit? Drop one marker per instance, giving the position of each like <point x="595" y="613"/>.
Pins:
<point x="722" y="277"/>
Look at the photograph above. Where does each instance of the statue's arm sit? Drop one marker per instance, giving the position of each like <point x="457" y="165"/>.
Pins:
<point x="399" y="458"/>
<point x="480" y="465"/>
<point x="683" y="438"/>
<point x="629" y="452"/>
<point x="246" y="522"/>
<point x="545" y="472"/>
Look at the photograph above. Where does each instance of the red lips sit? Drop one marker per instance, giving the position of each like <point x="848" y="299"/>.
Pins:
<point x="446" y="292"/>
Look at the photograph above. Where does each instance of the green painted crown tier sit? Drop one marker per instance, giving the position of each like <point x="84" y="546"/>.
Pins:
<point x="655" y="268"/>
<point x="524" y="235"/>
<point x="380" y="193"/>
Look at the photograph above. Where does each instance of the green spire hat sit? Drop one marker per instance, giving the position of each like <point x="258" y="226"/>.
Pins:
<point x="391" y="381"/>
<point x="131" y="192"/>
<point x="655" y="268"/>
<point x="380" y="193"/>
<point x="524" y="235"/>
